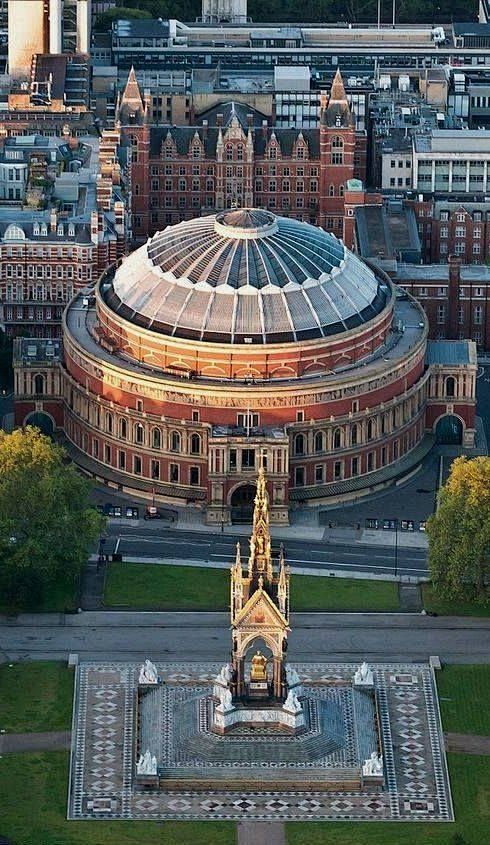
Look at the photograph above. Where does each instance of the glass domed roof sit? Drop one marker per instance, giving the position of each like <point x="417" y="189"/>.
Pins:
<point x="245" y="276"/>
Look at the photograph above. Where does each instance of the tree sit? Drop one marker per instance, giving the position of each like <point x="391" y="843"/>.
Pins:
<point x="47" y="525"/>
<point x="459" y="532"/>
<point x="105" y="19"/>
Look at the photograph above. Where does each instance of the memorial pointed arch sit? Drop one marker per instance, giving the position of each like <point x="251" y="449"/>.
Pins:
<point x="259" y="600"/>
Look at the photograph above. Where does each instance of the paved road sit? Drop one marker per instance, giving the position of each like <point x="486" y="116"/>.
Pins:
<point x="205" y="636"/>
<point x="165" y="542"/>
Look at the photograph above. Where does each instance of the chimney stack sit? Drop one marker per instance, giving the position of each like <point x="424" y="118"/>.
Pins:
<point x="454" y="264"/>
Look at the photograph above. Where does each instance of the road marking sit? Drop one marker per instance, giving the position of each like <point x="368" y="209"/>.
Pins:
<point x="312" y="564"/>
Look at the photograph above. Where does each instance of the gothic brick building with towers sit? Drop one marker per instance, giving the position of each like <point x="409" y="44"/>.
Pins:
<point x="232" y="158"/>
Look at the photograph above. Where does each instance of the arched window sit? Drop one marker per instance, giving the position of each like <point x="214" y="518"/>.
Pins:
<point x="195" y="444"/>
<point x="108" y="423"/>
<point x="175" y="441"/>
<point x="354" y="435"/>
<point x="370" y="429"/>
<point x="331" y="190"/>
<point x="393" y="418"/>
<point x="450" y="386"/>
<point x="337" y="142"/>
<point x="341" y="190"/>
<point x="337" y="438"/>
<point x="123" y="429"/>
<point x="319" y="442"/>
<point x="139" y="433"/>
<point x="14" y="233"/>
<point x="156" y="438"/>
<point x="239" y="152"/>
<point x="38" y="384"/>
<point x="299" y="444"/>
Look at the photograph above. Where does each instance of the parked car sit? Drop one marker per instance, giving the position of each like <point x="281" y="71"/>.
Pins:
<point x="151" y="512"/>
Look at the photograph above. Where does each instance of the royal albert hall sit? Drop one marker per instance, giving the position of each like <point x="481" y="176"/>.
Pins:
<point x="241" y="337"/>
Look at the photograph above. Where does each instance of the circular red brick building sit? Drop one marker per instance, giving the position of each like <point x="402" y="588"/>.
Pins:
<point x="241" y="334"/>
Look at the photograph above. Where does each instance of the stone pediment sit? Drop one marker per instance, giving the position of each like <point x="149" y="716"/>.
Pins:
<point x="260" y="612"/>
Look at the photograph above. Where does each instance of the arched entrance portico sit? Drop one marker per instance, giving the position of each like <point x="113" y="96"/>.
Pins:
<point x="449" y="430"/>
<point x="44" y="422"/>
<point x="242" y="504"/>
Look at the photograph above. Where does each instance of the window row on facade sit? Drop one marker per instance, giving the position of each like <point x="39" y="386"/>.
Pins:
<point x="149" y="436"/>
<point x="136" y="464"/>
<point x="368" y="461"/>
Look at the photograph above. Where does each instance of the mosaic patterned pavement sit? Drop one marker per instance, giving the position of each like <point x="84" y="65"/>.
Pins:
<point x="416" y="783"/>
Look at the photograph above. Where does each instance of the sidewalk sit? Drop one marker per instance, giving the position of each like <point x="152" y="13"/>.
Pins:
<point x="49" y="741"/>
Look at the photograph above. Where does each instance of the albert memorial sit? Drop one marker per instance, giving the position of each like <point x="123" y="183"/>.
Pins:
<point x="260" y="736"/>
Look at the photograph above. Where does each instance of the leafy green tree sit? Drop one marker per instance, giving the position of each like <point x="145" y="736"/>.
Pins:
<point x="459" y="532"/>
<point x="104" y="21"/>
<point x="47" y="525"/>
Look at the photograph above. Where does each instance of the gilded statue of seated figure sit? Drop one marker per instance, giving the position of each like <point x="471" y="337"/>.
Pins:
<point x="259" y="663"/>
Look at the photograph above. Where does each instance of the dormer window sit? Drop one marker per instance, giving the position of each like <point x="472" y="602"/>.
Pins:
<point x="35" y="229"/>
<point x="272" y="152"/>
<point x="300" y="152"/>
<point x="44" y="229"/>
<point x="60" y="229"/>
<point x="71" y="230"/>
<point x="196" y="151"/>
<point x="168" y="151"/>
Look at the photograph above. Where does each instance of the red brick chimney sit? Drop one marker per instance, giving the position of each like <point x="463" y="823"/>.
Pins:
<point x="454" y="263"/>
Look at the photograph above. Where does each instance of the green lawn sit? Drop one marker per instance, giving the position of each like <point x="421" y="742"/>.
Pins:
<point x="444" y="607"/>
<point x="61" y="597"/>
<point x="468" y="691"/>
<point x="310" y="592"/>
<point x="33" y="788"/>
<point x="470" y="780"/>
<point x="165" y="587"/>
<point x="35" y="697"/>
<point x="34" y="794"/>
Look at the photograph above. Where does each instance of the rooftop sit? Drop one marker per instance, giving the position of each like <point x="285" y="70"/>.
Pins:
<point x="451" y="352"/>
<point x="245" y="276"/>
<point x="82" y="325"/>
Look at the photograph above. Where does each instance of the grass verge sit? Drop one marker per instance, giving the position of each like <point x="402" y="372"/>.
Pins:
<point x="464" y="693"/>
<point x="444" y="607"/>
<point x="35" y="697"/>
<point x="165" y="587"/>
<point x="34" y="788"/>
<point x="62" y="597"/>
<point x="470" y="780"/>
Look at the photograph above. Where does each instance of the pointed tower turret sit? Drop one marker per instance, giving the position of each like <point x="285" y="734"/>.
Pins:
<point x="237" y="583"/>
<point x="260" y="561"/>
<point x="131" y="107"/>
<point x="283" y="585"/>
<point x="337" y="112"/>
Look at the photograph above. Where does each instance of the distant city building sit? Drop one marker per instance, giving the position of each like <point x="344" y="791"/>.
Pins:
<point x="62" y="222"/>
<point x="452" y="161"/>
<point x="455" y="297"/>
<point x="458" y="225"/>
<point x="356" y="50"/>
<point x="36" y="26"/>
<point x="224" y="11"/>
